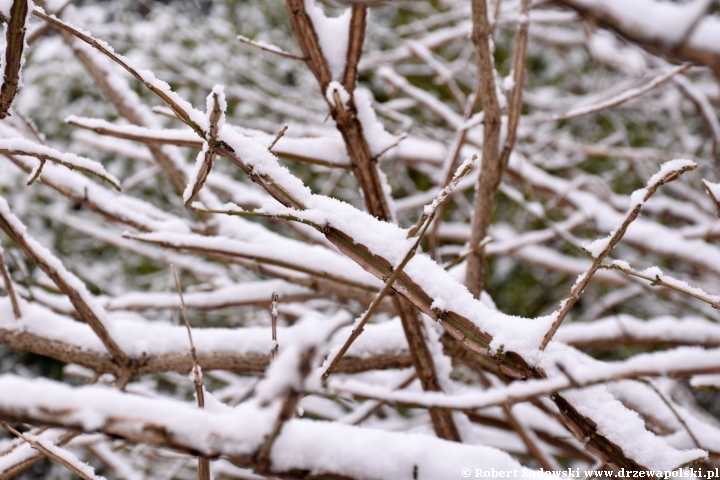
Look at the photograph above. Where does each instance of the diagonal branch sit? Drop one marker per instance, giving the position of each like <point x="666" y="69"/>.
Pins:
<point x="61" y="456"/>
<point x="84" y="304"/>
<point x="364" y="163"/>
<point x="601" y="248"/>
<point x="9" y="286"/>
<point x="206" y="157"/>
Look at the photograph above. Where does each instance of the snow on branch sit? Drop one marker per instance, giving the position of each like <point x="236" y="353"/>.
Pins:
<point x="86" y="306"/>
<point x="599" y="249"/>
<point x="21" y="146"/>
<point x="237" y="434"/>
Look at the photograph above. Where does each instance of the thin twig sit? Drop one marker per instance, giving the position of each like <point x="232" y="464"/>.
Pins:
<point x="150" y="83"/>
<point x="208" y="152"/>
<point x="460" y="258"/>
<point x="43" y="153"/>
<point x="416" y="231"/>
<point x="9" y="286"/>
<point x="278" y="136"/>
<point x="584" y="279"/>
<point x="664" y="281"/>
<point x="712" y="188"/>
<point x="43" y="29"/>
<point x="30" y="125"/>
<point x="616" y="100"/>
<point x="269" y="48"/>
<point x="430" y="210"/>
<point x="65" y="281"/>
<point x="51" y="453"/>
<point x="273" y="316"/>
<point x="649" y="382"/>
<point x="449" y="164"/>
<point x="516" y="103"/>
<point x="203" y="462"/>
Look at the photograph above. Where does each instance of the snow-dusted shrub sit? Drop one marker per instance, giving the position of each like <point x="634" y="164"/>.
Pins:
<point x="407" y="240"/>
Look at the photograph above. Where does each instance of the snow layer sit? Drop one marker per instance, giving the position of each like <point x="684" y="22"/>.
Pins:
<point x="302" y="444"/>
<point x="333" y="35"/>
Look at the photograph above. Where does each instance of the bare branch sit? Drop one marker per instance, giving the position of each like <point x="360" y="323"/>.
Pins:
<point x="491" y="169"/>
<point x="9" y="286"/>
<point x="617" y="100"/>
<point x="63" y="457"/>
<point x="14" y="52"/>
<point x="601" y="248"/>
<point x="273" y="316"/>
<point x="655" y="276"/>
<point x="203" y="462"/>
<point x="516" y="103"/>
<point x="85" y="306"/>
<point x="268" y="48"/>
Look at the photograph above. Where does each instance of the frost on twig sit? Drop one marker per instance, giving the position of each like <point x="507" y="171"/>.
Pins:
<point x="268" y="47"/>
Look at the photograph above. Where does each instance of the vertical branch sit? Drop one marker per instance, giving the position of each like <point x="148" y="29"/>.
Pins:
<point x="15" y="37"/>
<point x="203" y="462"/>
<point x="287" y="411"/>
<point x="355" y="44"/>
<point x="364" y="164"/>
<point x="208" y="154"/>
<point x="9" y="286"/>
<point x="491" y="169"/>
<point x="515" y="104"/>
<point x="364" y="167"/>
<point x="442" y="421"/>
<point x="273" y="316"/>
<point x="450" y="161"/>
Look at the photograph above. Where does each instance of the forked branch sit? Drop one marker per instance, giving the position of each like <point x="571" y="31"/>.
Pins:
<point x="601" y="248"/>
